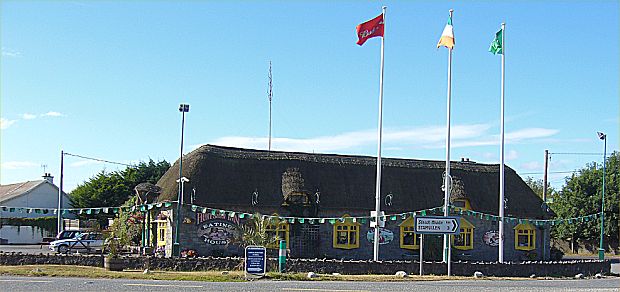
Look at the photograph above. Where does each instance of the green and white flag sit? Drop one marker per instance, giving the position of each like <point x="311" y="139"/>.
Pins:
<point x="497" y="47"/>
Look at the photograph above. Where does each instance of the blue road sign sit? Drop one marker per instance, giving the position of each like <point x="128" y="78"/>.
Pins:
<point x="255" y="261"/>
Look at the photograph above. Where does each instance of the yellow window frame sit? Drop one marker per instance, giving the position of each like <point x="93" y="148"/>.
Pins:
<point x="467" y="235"/>
<point x="466" y="204"/>
<point x="162" y="229"/>
<point x="278" y="227"/>
<point x="407" y="229"/>
<point x="346" y="235"/>
<point x="528" y="233"/>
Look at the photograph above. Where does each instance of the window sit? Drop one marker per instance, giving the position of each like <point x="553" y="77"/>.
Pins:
<point x="161" y="233"/>
<point x="462" y="204"/>
<point x="408" y="239"/>
<point x="279" y="228"/>
<point x="465" y="239"/>
<point x="525" y="237"/>
<point x="346" y="234"/>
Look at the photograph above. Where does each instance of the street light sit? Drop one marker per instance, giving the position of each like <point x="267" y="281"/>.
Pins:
<point x="182" y="181"/>
<point x="601" y="249"/>
<point x="183" y="108"/>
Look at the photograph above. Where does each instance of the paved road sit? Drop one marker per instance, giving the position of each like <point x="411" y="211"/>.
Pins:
<point x="82" y="284"/>
<point x="27" y="249"/>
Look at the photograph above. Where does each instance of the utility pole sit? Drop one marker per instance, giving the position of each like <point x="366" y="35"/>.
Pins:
<point x="545" y="176"/>
<point x="544" y="198"/>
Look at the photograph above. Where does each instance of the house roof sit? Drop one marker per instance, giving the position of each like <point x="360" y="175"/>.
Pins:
<point x="225" y="177"/>
<point x="10" y="191"/>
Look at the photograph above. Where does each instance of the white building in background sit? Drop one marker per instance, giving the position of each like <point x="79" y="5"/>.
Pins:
<point x="41" y="194"/>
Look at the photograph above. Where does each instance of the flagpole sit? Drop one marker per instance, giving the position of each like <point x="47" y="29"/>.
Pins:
<point x="270" y="93"/>
<point x="448" y="179"/>
<point x="501" y="166"/>
<point x="379" y="135"/>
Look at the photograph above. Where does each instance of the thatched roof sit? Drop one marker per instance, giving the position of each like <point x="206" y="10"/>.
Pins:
<point x="226" y="178"/>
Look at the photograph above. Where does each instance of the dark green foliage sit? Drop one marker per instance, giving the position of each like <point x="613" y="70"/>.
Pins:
<point x="126" y="229"/>
<point x="582" y="195"/>
<point x="255" y="232"/>
<point x="112" y="189"/>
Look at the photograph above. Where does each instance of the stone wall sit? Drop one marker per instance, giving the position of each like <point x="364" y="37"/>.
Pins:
<point x="525" y="269"/>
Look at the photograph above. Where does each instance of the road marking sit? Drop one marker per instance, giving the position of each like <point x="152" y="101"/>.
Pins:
<point x="162" y="285"/>
<point x="27" y="281"/>
<point x="322" y="290"/>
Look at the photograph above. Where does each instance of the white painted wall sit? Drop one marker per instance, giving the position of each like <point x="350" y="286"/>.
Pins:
<point x="23" y="234"/>
<point x="43" y="196"/>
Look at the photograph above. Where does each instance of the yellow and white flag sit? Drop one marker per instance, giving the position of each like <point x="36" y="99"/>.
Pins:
<point x="447" y="37"/>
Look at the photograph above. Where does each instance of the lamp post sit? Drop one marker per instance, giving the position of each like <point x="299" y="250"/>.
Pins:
<point x="183" y="108"/>
<point x="601" y="249"/>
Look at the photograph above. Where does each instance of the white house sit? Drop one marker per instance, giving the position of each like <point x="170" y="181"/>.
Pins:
<point x="15" y="198"/>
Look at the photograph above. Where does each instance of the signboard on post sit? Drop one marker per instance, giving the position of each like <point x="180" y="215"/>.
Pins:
<point x="255" y="261"/>
<point x="437" y="225"/>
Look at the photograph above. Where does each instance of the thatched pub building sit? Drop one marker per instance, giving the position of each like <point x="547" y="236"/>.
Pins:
<point x="304" y="185"/>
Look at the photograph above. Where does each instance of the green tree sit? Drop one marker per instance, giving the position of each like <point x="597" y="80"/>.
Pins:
<point x="581" y="196"/>
<point x="112" y="189"/>
<point x="537" y="186"/>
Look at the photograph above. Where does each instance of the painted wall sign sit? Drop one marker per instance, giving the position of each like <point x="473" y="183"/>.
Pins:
<point x="491" y="238"/>
<point x="218" y="231"/>
<point x="385" y="236"/>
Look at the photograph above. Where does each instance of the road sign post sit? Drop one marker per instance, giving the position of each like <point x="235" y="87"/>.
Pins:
<point x="436" y="225"/>
<point x="421" y="252"/>
<point x="255" y="261"/>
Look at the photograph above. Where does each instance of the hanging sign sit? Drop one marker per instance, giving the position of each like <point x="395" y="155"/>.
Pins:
<point x="255" y="261"/>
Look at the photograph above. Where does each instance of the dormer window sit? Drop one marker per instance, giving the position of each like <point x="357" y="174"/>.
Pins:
<point x="462" y="204"/>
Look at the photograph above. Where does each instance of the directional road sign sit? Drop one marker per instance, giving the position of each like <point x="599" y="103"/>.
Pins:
<point x="255" y="261"/>
<point x="437" y="225"/>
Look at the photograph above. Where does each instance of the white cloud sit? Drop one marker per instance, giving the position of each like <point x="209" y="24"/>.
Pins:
<point x="53" y="114"/>
<point x="28" y="116"/>
<point x="530" y="133"/>
<point x="6" y="123"/>
<point x="432" y="137"/>
<point x="10" y="53"/>
<point x="512" y="155"/>
<point x="18" y="164"/>
<point x="532" y="165"/>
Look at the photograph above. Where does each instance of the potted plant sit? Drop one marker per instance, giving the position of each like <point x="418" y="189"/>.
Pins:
<point x="112" y="261"/>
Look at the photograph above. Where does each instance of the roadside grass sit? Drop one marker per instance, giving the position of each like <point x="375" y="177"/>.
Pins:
<point x="94" y="272"/>
<point x="209" y="276"/>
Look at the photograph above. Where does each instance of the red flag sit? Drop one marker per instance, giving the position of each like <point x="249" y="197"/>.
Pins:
<point x="370" y="29"/>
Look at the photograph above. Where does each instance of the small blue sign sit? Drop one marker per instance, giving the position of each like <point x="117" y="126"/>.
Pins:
<point x="255" y="261"/>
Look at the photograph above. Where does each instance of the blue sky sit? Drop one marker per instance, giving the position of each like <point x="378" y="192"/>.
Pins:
<point x="104" y="79"/>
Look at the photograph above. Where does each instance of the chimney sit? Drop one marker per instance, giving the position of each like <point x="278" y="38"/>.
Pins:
<point x="48" y="177"/>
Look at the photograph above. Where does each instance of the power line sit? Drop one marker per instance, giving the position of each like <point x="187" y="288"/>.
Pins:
<point x="575" y="153"/>
<point x="97" y="159"/>
<point x="556" y="172"/>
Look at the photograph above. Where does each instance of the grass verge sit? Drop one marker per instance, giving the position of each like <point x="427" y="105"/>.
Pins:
<point x="207" y="276"/>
